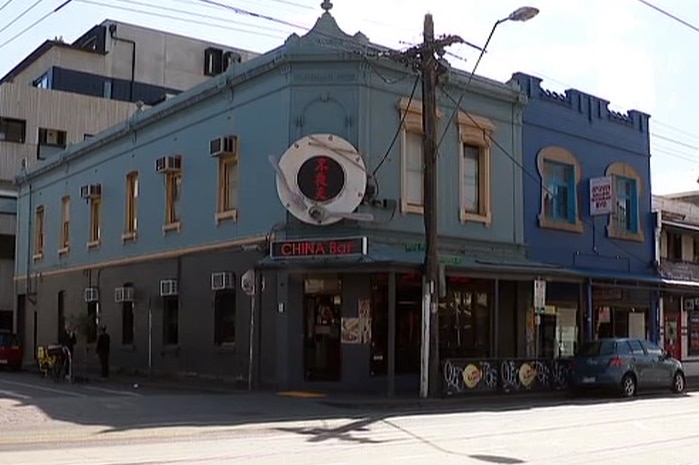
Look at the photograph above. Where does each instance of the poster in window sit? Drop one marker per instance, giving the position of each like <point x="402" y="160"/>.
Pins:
<point x="364" y="311"/>
<point x="350" y="331"/>
<point x="693" y="333"/>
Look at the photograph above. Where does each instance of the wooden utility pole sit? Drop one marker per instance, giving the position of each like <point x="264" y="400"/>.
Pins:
<point x="426" y="58"/>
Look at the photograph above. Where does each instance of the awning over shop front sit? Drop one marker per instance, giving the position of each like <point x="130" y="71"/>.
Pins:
<point x="637" y="280"/>
<point x="397" y="256"/>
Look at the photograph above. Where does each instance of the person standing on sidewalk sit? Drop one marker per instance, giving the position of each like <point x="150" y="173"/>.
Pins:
<point x="103" y="352"/>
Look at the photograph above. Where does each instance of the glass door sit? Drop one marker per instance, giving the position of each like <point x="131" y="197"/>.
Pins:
<point x="322" y="305"/>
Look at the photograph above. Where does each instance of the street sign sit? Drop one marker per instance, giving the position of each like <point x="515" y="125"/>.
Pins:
<point x="247" y="282"/>
<point x="539" y="295"/>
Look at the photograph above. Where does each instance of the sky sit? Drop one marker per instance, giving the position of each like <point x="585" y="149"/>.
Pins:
<point x="620" y="50"/>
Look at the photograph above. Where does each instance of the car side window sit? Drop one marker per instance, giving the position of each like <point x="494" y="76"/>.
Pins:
<point x="623" y="348"/>
<point x="652" y="349"/>
<point x="636" y="347"/>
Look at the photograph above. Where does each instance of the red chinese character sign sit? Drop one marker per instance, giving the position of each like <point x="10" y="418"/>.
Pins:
<point x="321" y="179"/>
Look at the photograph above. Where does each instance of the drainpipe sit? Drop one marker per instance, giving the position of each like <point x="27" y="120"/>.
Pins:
<point x="29" y="235"/>
<point x="112" y="34"/>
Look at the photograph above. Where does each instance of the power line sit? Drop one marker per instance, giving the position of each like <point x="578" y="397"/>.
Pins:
<point x="670" y="15"/>
<point x="5" y="4"/>
<point x="198" y="15"/>
<point x="20" y="16"/>
<point x="177" y="18"/>
<point x="32" y="25"/>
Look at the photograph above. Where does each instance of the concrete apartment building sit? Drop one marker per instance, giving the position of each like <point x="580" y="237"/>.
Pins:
<point x="63" y="93"/>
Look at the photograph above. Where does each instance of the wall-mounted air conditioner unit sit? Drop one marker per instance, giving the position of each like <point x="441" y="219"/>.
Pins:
<point x="124" y="294"/>
<point x="225" y="146"/>
<point x="168" y="164"/>
<point x="168" y="287"/>
<point x="222" y="280"/>
<point x="91" y="191"/>
<point x="91" y="294"/>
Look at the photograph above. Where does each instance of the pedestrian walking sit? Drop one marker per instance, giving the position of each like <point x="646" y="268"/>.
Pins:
<point x="103" y="352"/>
<point x="68" y="340"/>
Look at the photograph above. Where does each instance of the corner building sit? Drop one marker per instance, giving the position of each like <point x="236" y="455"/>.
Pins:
<point x="268" y="223"/>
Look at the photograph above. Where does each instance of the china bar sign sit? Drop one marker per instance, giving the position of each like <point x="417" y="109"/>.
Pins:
<point x="601" y="195"/>
<point x="319" y="248"/>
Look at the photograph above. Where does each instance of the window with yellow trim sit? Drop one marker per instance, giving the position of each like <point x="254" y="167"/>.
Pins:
<point x="95" y="220"/>
<point x="412" y="157"/>
<point x="227" y="187"/>
<point x="173" y="193"/>
<point x="131" y="219"/>
<point x="39" y="218"/>
<point x="625" y="220"/>
<point x="65" y="224"/>
<point x="560" y="173"/>
<point x="474" y="168"/>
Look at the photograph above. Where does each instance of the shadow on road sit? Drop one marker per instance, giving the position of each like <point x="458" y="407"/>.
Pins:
<point x="117" y="408"/>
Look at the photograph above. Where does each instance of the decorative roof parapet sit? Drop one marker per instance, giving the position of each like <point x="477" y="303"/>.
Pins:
<point x="592" y="107"/>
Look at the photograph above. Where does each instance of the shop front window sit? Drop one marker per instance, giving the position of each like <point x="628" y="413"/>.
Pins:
<point x="464" y="323"/>
<point x="621" y="322"/>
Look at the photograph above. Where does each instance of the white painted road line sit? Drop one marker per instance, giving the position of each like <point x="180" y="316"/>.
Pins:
<point x="114" y="391"/>
<point x="44" y="388"/>
<point x="13" y="394"/>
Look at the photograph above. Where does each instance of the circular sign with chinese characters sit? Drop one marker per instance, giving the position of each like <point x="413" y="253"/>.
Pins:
<point x="320" y="179"/>
<point x="321" y="173"/>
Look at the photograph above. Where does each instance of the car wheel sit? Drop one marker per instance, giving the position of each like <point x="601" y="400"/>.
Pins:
<point x="678" y="383"/>
<point x="628" y="385"/>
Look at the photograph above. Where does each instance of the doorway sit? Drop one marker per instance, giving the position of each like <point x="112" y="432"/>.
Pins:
<point x="60" y="308"/>
<point x="322" y="303"/>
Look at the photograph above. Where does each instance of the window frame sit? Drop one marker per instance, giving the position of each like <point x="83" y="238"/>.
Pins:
<point x="412" y="123"/>
<point x="624" y="170"/>
<point x="561" y="156"/>
<point x="221" y="312"/>
<point x="5" y="122"/>
<point x="39" y="230"/>
<point x="95" y="231"/>
<point x="475" y="131"/>
<point x="173" y="222"/>
<point x="226" y="209"/>
<point x="65" y="225"/>
<point x="131" y="207"/>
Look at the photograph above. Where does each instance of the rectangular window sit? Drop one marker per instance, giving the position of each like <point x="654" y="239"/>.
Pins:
<point x="224" y="314"/>
<point x="693" y="333"/>
<point x="65" y="224"/>
<point x="13" y="130"/>
<point x="674" y="246"/>
<point x="227" y="187"/>
<point x="413" y="170"/>
<point x="559" y="191"/>
<point x="173" y="193"/>
<point x="472" y="179"/>
<point x="127" y="323"/>
<point x="39" y="232"/>
<point x="91" y="322"/>
<point x="626" y="205"/>
<point x="52" y="137"/>
<point x="131" y="220"/>
<point x="170" y="320"/>
<point x="696" y="249"/>
<point x="95" y="227"/>
<point x="43" y="82"/>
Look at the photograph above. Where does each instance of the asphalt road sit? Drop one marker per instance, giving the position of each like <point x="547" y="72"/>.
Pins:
<point x="42" y="422"/>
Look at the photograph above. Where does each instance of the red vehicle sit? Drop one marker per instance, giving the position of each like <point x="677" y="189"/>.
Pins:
<point x="11" y="353"/>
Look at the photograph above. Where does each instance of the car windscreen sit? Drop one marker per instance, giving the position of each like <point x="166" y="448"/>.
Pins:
<point x="597" y="349"/>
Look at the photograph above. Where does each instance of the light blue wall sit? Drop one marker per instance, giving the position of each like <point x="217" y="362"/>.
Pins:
<point x="275" y="99"/>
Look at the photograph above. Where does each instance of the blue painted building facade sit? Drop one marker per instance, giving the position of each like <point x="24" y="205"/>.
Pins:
<point x="587" y="208"/>
<point x="303" y="166"/>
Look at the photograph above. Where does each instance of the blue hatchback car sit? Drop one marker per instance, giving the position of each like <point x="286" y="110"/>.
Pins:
<point x="627" y="365"/>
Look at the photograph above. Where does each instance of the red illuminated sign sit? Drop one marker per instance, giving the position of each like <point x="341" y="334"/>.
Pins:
<point x="319" y="248"/>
